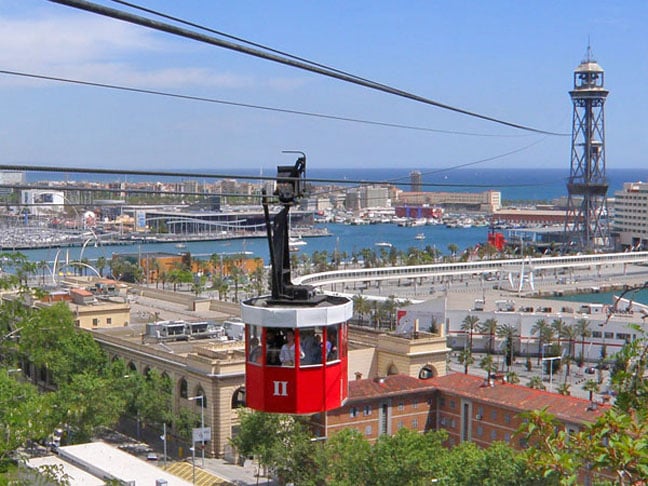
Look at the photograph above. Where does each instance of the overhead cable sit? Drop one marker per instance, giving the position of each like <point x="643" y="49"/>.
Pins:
<point x="206" y="175"/>
<point x="182" y="32"/>
<point x="242" y="105"/>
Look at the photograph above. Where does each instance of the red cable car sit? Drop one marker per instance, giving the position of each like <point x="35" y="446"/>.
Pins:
<point x="296" y="340"/>
<point x="296" y="356"/>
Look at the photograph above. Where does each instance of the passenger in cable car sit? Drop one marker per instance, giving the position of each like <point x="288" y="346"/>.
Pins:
<point x="287" y="354"/>
<point x="274" y="341"/>
<point x="331" y="346"/>
<point x="255" y="351"/>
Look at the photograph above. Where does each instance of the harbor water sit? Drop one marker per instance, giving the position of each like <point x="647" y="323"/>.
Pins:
<point x="342" y="238"/>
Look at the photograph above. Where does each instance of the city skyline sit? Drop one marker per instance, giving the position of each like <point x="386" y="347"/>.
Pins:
<point x="504" y="60"/>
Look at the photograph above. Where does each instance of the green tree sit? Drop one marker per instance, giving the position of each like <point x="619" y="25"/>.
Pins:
<point x="488" y="364"/>
<point x="512" y="377"/>
<point x="221" y="286"/>
<point x="361" y="306"/>
<point x="406" y="457"/>
<point x="466" y="359"/>
<point x="468" y="326"/>
<point x="551" y="454"/>
<point x="280" y="443"/>
<point x="347" y="458"/>
<point x="509" y="333"/>
<point x="629" y="378"/>
<point x="592" y="387"/>
<point x="50" y="339"/>
<point x="23" y="414"/>
<point x="489" y="327"/>
<point x="453" y="248"/>
<point x="198" y="284"/>
<point x="101" y="264"/>
<point x="536" y="383"/>
<point x="149" y="398"/>
<point x="88" y="401"/>
<point x="582" y="329"/>
<point x="545" y="335"/>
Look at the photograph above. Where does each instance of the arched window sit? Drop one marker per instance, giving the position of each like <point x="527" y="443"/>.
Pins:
<point x="132" y="366"/>
<point x="183" y="388"/>
<point x="238" y="398"/>
<point x="427" y="372"/>
<point x="200" y="392"/>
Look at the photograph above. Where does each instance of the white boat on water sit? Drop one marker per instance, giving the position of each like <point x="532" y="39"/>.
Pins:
<point x="420" y="236"/>
<point x="180" y="245"/>
<point x="295" y="243"/>
<point x="384" y="244"/>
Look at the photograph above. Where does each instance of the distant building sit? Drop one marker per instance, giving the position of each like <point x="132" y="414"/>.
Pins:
<point x="530" y="216"/>
<point x="9" y="177"/>
<point x="353" y="200"/>
<point x="416" y="181"/>
<point x="43" y="201"/>
<point x="375" y="197"/>
<point x="93" y="307"/>
<point x="487" y="201"/>
<point x="630" y="223"/>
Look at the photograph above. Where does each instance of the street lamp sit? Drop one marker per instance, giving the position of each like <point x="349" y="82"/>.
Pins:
<point x="551" y="359"/>
<point x="164" y="440"/>
<point x="202" y="425"/>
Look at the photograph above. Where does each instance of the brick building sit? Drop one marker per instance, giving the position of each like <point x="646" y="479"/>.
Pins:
<point x="468" y="407"/>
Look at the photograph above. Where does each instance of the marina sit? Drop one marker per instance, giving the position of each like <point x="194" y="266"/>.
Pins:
<point x="330" y="237"/>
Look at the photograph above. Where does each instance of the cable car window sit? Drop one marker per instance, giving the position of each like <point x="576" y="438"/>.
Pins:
<point x="253" y="340"/>
<point x="288" y="352"/>
<point x="332" y="343"/>
<point x="274" y="341"/>
<point x="311" y="341"/>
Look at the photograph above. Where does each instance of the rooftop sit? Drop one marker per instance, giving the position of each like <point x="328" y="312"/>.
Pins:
<point x="519" y="397"/>
<point x="389" y="385"/>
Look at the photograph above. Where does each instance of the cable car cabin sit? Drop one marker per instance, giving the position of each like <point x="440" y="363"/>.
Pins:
<point x="296" y="355"/>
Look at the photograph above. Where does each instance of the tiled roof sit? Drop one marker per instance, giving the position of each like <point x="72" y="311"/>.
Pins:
<point x="390" y="385"/>
<point x="518" y="397"/>
<point x="81" y="292"/>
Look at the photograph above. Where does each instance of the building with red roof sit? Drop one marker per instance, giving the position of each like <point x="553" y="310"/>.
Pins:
<point x="468" y="407"/>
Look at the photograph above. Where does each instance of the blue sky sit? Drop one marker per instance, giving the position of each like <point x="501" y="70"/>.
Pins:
<point x="506" y="59"/>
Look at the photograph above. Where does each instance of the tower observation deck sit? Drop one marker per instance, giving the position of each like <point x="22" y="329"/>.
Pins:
<point x="586" y="222"/>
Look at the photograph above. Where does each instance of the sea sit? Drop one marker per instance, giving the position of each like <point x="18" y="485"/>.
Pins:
<point x="515" y="184"/>
<point x="518" y="186"/>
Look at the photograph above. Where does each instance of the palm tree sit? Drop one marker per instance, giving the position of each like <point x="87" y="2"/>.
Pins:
<point x="545" y="335"/>
<point x="361" y="306"/>
<point x="489" y="327"/>
<point x="468" y="326"/>
<point x="563" y="389"/>
<point x="536" y="383"/>
<point x="512" y="378"/>
<point x="466" y="359"/>
<point x="569" y="333"/>
<point x="101" y="264"/>
<point x="509" y="333"/>
<point x="391" y="306"/>
<point x="488" y="364"/>
<point x="558" y="326"/>
<point x="453" y="248"/>
<point x="583" y="331"/>
<point x="592" y="387"/>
